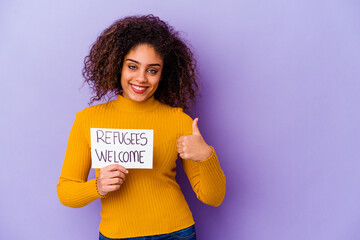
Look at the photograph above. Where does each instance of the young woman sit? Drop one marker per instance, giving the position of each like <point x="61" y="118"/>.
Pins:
<point x="149" y="67"/>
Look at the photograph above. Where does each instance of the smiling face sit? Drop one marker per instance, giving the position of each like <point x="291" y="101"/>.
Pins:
<point x="141" y="73"/>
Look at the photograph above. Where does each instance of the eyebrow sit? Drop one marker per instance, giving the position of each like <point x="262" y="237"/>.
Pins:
<point x="153" y="64"/>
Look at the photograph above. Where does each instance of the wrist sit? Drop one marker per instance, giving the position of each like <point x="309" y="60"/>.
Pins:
<point x="209" y="152"/>
<point x="206" y="153"/>
<point x="101" y="193"/>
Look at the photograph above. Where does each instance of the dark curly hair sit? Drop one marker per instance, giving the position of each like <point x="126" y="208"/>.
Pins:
<point x="102" y="70"/>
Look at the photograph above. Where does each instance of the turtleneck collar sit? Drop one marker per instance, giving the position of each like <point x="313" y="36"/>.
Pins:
<point x="132" y="106"/>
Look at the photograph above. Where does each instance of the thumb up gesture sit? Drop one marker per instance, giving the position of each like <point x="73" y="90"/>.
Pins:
<point x="193" y="147"/>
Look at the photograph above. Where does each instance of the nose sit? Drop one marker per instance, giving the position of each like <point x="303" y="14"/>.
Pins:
<point x="141" y="77"/>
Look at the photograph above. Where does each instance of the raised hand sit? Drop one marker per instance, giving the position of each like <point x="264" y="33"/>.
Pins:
<point x="193" y="147"/>
<point x="110" y="178"/>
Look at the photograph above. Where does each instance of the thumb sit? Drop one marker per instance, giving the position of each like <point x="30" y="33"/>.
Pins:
<point x="195" y="127"/>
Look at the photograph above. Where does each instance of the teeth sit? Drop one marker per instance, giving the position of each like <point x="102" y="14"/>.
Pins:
<point x="138" y="88"/>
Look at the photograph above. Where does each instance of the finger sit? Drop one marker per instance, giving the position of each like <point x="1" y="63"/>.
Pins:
<point x="112" y="188"/>
<point x="106" y="169"/>
<point x="183" y="149"/>
<point x="180" y="139"/>
<point x="117" y="174"/>
<point x="116" y="181"/>
<point x="195" y="127"/>
<point x="109" y="168"/>
<point x="117" y="167"/>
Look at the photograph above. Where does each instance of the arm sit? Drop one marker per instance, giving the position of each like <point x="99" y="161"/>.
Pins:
<point x="201" y="165"/>
<point x="207" y="179"/>
<point x="73" y="188"/>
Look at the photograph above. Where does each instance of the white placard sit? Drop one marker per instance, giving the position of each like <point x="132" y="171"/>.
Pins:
<point x="131" y="148"/>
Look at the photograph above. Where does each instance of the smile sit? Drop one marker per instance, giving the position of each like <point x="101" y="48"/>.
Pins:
<point x="138" y="89"/>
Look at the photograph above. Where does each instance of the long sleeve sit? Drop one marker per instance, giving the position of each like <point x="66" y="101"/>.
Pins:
<point x="73" y="188"/>
<point x="206" y="177"/>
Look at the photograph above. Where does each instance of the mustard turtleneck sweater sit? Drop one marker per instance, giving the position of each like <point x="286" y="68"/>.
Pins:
<point x="150" y="201"/>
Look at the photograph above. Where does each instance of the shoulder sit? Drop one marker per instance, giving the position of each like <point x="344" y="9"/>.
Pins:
<point x="177" y="118"/>
<point x="175" y="111"/>
<point x="93" y="114"/>
<point x="93" y="110"/>
<point x="186" y="119"/>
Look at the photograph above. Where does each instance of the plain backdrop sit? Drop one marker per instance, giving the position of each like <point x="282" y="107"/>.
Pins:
<point x="280" y="83"/>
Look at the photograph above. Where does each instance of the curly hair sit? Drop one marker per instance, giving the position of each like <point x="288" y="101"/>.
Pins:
<point x="102" y="67"/>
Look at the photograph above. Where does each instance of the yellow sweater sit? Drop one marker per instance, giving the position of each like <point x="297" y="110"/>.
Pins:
<point x="150" y="201"/>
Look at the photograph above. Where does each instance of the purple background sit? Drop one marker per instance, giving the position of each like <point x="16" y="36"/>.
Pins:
<point x="280" y="104"/>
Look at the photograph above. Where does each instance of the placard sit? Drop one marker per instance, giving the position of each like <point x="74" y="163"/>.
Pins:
<point x="131" y="148"/>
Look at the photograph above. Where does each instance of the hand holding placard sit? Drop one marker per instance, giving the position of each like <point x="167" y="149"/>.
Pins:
<point x="110" y="178"/>
<point x="193" y="147"/>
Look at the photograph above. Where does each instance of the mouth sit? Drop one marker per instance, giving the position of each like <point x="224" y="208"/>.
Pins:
<point x="138" y="89"/>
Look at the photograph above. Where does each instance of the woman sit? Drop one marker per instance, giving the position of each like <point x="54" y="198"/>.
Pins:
<point x="152" y="71"/>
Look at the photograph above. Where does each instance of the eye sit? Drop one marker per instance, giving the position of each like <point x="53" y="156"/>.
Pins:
<point x="132" y="67"/>
<point x="152" y="71"/>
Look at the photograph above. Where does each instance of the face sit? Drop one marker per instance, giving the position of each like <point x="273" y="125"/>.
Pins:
<point x="141" y="73"/>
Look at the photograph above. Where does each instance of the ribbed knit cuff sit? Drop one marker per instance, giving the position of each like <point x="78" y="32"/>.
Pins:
<point x="76" y="194"/>
<point x="213" y="182"/>
<point x="97" y="190"/>
<point x="211" y="164"/>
